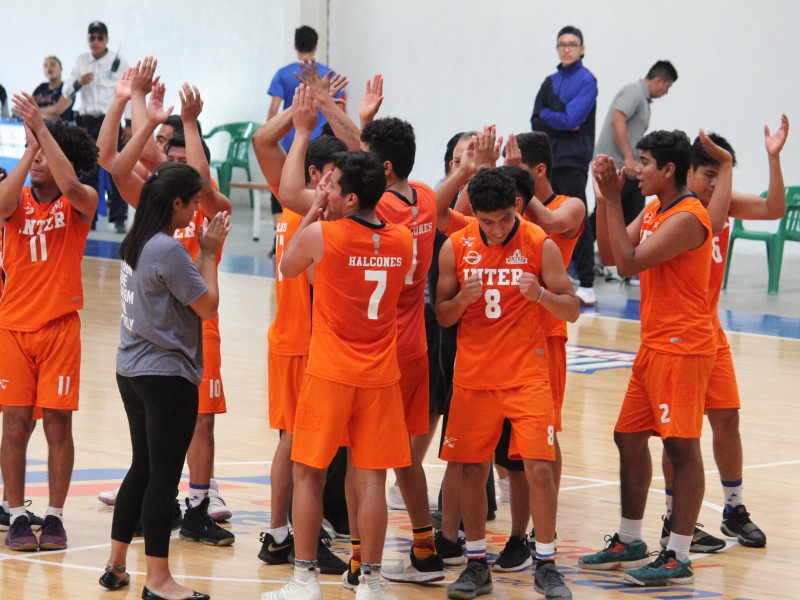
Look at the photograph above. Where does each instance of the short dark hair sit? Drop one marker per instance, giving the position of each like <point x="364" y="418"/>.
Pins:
<point x="523" y="182"/>
<point x="169" y="181"/>
<point x="701" y="158"/>
<point x="55" y="58"/>
<point x="321" y="151"/>
<point x="392" y="139"/>
<point x="179" y="141"/>
<point x="76" y="144"/>
<point x="362" y="175"/>
<point x="305" y="39"/>
<point x="669" y="147"/>
<point x="491" y="190"/>
<point x="535" y="149"/>
<point x="664" y="70"/>
<point x="451" y="148"/>
<point x="175" y="122"/>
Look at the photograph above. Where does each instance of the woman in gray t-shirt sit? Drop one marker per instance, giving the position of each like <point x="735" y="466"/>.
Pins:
<point x="160" y="363"/>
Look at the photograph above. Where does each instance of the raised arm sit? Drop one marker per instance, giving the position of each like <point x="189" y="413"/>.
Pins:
<point x="307" y="246"/>
<point x="108" y="138"/>
<point x="566" y="219"/>
<point x="373" y="98"/>
<point x="601" y="225"/>
<point x="293" y="193"/>
<point x="210" y="239"/>
<point x="450" y="187"/>
<point x="142" y="83"/>
<point x="269" y="153"/>
<point x="128" y="182"/>
<point x="719" y="204"/>
<point x="11" y="186"/>
<point x="748" y="206"/>
<point x="83" y="198"/>
<point x="319" y="88"/>
<point x="211" y="201"/>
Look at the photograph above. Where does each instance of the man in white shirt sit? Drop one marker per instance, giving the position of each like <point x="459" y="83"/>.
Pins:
<point x="94" y="77"/>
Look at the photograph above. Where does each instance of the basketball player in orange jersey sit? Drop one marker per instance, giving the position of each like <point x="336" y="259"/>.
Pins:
<point x="351" y="388"/>
<point x="710" y="178"/>
<point x="497" y="277"/>
<point x="412" y="204"/>
<point x="46" y="226"/>
<point x="290" y="333"/>
<point x="197" y="524"/>
<point x="670" y="245"/>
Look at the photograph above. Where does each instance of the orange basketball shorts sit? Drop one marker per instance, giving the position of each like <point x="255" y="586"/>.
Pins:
<point x="723" y="391"/>
<point x="285" y="381"/>
<point x="414" y="378"/>
<point x="557" y="362"/>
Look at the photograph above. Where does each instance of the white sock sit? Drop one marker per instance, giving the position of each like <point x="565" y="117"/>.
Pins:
<point x="16" y="512"/>
<point x="279" y="534"/>
<point x="545" y="551"/>
<point x="630" y="530"/>
<point x="732" y="492"/>
<point x="305" y="571"/>
<point x="5" y="505"/>
<point x="680" y="545"/>
<point x="197" y="493"/>
<point x="56" y="512"/>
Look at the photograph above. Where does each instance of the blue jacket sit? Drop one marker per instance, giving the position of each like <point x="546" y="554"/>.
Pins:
<point x="568" y="100"/>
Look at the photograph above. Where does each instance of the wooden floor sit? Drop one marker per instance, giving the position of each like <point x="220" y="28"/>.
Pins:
<point x="589" y="509"/>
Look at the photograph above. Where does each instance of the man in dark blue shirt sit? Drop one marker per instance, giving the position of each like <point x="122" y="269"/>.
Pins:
<point x="565" y="110"/>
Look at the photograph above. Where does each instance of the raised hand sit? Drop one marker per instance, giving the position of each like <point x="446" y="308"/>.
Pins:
<point x="142" y="81"/>
<point x="31" y="143"/>
<point x="318" y="86"/>
<point x="304" y="113"/>
<point x="338" y="83"/>
<point x="609" y="179"/>
<point x="718" y="153"/>
<point x="213" y="233"/>
<point x="513" y="156"/>
<point x="155" y="108"/>
<point x="26" y="107"/>
<point x="191" y="103"/>
<point x="487" y="147"/>
<point x="774" y="142"/>
<point x="321" y="196"/>
<point x="373" y="98"/>
<point x="122" y="91"/>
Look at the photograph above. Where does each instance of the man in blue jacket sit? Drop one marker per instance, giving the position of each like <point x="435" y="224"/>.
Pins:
<point x="565" y="110"/>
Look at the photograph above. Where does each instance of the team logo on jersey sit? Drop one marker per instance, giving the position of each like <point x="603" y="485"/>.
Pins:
<point x="468" y="242"/>
<point x="516" y="258"/>
<point x="647" y="217"/>
<point x="3" y="383"/>
<point x="57" y="205"/>
<point x="450" y="442"/>
<point x="29" y="210"/>
<point x="473" y="257"/>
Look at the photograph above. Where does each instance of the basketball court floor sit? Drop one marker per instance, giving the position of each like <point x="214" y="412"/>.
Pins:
<point x="765" y="337"/>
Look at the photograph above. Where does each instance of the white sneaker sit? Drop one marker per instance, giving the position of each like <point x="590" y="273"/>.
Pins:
<point x="296" y="591"/>
<point x="404" y="571"/>
<point x="394" y="498"/>
<point x="586" y="296"/>
<point x="109" y="498"/>
<point x="217" y="509"/>
<point x="364" y="592"/>
<point x="505" y="490"/>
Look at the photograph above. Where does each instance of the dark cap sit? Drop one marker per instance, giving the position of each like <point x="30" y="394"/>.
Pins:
<point x="98" y="27"/>
<point x="568" y="30"/>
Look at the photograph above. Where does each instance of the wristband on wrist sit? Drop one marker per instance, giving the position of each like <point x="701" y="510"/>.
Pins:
<point x="541" y="294"/>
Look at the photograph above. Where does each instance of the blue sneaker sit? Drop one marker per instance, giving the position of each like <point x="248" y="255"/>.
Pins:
<point x="617" y="555"/>
<point x="664" y="570"/>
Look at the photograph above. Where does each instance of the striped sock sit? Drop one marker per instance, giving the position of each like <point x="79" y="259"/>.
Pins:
<point x="476" y="550"/>
<point x="545" y="551"/>
<point x="304" y="570"/>
<point x="355" y="559"/>
<point x="423" y="542"/>
<point x="372" y="575"/>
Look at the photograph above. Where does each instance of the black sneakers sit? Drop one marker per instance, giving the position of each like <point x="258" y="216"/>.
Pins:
<point x="177" y="520"/>
<point x="514" y="557"/>
<point x="702" y="542"/>
<point x="197" y="526"/>
<point x="452" y="553"/>
<point x="275" y="554"/>
<point x="737" y="524"/>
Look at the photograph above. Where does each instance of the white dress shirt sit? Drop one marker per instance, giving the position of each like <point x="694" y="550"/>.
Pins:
<point x="97" y="95"/>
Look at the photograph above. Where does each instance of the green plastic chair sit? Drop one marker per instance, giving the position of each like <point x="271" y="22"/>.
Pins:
<point x="788" y="231"/>
<point x="238" y="153"/>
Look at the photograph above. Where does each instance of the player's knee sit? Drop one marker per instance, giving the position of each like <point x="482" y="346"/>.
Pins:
<point x="724" y="422"/>
<point x="684" y="452"/>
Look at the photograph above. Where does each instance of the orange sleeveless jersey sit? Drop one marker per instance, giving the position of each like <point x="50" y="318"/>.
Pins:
<point x="674" y="294"/>
<point x="419" y="215"/>
<point x="501" y="338"/>
<point x="42" y="255"/>
<point x="188" y="237"/>
<point x="566" y="245"/>
<point x="357" y="285"/>
<point x="719" y="254"/>
<point x="290" y="332"/>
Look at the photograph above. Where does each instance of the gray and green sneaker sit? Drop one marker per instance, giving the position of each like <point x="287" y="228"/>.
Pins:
<point x="548" y="581"/>
<point x="617" y="555"/>
<point x="664" y="570"/>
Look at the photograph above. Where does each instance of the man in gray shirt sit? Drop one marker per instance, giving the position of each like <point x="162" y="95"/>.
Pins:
<point x="626" y="123"/>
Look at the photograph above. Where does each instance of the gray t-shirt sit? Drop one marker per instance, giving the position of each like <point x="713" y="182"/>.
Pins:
<point x="160" y="333"/>
<point x="634" y="102"/>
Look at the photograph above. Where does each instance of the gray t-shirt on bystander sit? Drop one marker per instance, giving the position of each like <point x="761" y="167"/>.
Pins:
<point x="160" y="333"/>
<point x="634" y="102"/>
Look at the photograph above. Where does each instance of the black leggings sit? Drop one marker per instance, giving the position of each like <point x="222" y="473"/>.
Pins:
<point x="162" y="412"/>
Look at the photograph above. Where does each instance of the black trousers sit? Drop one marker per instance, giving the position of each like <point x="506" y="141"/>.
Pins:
<point x="117" y="207"/>
<point x="162" y="412"/>
<point x="572" y="182"/>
